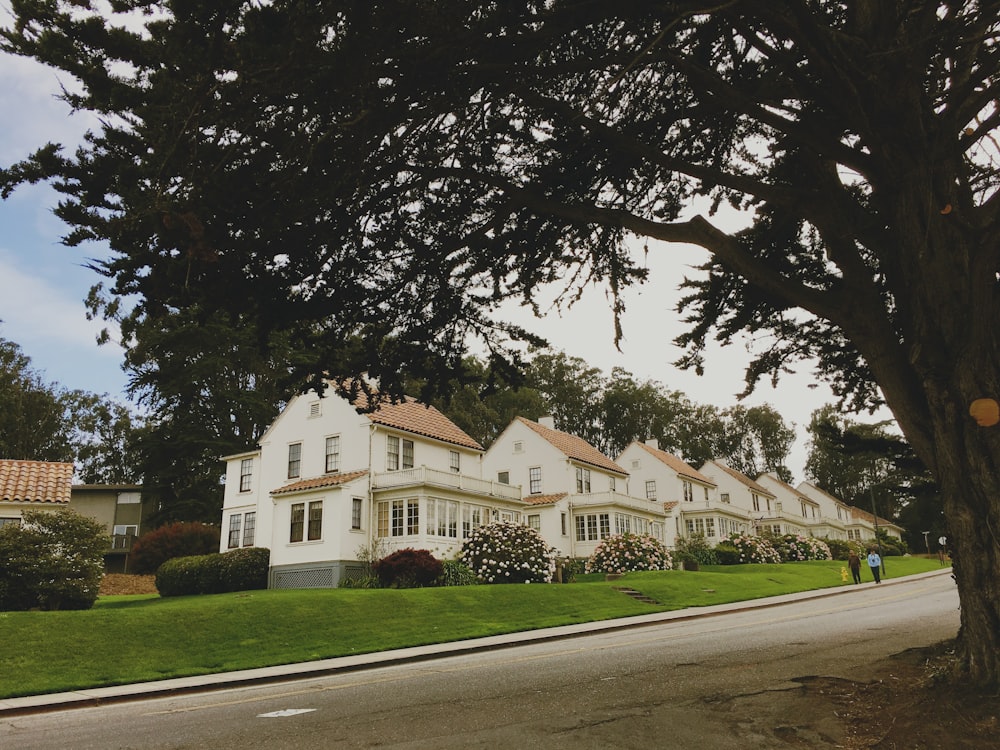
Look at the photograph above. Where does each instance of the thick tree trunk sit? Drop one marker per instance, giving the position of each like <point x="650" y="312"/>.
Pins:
<point x="968" y="471"/>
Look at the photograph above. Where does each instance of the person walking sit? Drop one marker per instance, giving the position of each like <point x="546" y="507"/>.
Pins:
<point x="854" y="563"/>
<point x="875" y="563"/>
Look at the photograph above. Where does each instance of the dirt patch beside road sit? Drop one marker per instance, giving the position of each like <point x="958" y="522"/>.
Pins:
<point x="117" y="584"/>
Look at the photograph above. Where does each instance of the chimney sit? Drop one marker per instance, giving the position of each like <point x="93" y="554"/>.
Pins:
<point x="653" y="443"/>
<point x="547" y="421"/>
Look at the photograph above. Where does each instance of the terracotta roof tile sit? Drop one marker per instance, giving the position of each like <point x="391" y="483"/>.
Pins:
<point x="677" y="464"/>
<point x="412" y="416"/>
<point x="575" y="448"/>
<point x="35" y="481"/>
<point x="327" y="480"/>
<point x="670" y="505"/>
<point x="545" y="499"/>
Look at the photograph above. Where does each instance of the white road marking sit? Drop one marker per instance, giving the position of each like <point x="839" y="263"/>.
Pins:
<point x="285" y="712"/>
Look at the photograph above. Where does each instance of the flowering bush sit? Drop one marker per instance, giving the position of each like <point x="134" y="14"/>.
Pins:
<point x="624" y="552"/>
<point x="754" y="549"/>
<point x="508" y="553"/>
<point x="795" y="547"/>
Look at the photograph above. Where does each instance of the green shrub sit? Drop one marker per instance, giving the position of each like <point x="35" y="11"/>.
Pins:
<point x="840" y="548"/>
<point x="217" y="573"/>
<point x="508" y="553"/>
<point x="408" y="568"/>
<point x="695" y="548"/>
<point x="53" y="560"/>
<point x="626" y="552"/>
<point x="727" y="553"/>
<point x="457" y="573"/>
<point x="181" y="539"/>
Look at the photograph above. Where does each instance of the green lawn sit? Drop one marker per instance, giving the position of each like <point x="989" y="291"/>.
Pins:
<point x="129" y="639"/>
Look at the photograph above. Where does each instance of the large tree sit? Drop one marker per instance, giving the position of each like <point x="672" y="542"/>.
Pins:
<point x="393" y="170"/>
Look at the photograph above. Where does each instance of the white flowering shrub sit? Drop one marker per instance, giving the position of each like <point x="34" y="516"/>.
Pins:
<point x="508" y="553"/>
<point x="754" y="549"/>
<point x="795" y="547"/>
<point x="624" y="552"/>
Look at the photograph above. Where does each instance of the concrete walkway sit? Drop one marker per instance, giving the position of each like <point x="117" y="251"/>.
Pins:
<point x="284" y="672"/>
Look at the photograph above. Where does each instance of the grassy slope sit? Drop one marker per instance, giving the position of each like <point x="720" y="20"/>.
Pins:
<point x="130" y="639"/>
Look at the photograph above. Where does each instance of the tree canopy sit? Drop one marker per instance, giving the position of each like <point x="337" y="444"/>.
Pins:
<point x="370" y="181"/>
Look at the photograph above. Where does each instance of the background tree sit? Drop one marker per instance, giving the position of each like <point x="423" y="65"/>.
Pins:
<point x="467" y="153"/>
<point x="757" y="440"/>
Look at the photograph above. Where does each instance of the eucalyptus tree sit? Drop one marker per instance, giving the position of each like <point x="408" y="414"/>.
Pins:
<point x="395" y="170"/>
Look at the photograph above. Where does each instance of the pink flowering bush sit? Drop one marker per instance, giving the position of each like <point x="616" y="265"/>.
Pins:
<point x="754" y="549"/>
<point x="508" y="553"/>
<point x="624" y="552"/>
<point x="795" y="547"/>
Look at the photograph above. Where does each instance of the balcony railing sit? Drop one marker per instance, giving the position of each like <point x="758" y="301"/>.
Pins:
<point x="618" y="499"/>
<point x="423" y="475"/>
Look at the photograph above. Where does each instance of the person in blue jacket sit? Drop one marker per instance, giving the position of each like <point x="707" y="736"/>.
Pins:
<point x="875" y="563"/>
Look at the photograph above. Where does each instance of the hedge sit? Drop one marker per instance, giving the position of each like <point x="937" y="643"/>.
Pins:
<point x="217" y="573"/>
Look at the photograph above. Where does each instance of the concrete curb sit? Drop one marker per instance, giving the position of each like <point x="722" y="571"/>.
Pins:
<point x="267" y="675"/>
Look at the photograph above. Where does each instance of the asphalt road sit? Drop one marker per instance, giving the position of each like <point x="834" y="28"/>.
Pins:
<point x="710" y="682"/>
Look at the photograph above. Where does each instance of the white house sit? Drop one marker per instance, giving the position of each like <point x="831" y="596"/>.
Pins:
<point x="329" y="478"/>
<point x="576" y="496"/>
<point x="794" y="512"/>
<point x="740" y="491"/>
<point x="691" y="497"/>
<point x="836" y="514"/>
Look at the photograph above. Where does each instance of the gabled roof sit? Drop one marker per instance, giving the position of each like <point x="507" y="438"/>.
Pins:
<point x="545" y="499"/>
<point x="35" y="481"/>
<point x="788" y="488"/>
<point x="823" y="492"/>
<point x="680" y="466"/>
<point x="574" y="448"/>
<point x="327" y="480"/>
<point x="420" y="419"/>
<point x="742" y="479"/>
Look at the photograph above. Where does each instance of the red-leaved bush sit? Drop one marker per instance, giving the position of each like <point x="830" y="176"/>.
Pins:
<point x="408" y="568"/>
<point x="181" y="539"/>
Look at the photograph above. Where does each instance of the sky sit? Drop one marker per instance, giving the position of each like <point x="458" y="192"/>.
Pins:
<point x="43" y="285"/>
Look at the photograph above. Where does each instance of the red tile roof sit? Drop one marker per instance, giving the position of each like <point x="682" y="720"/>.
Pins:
<point x="678" y="465"/>
<point x="545" y="499"/>
<point x="575" y="448"/>
<point x="412" y="416"/>
<point x="327" y="480"/>
<point x="35" y="481"/>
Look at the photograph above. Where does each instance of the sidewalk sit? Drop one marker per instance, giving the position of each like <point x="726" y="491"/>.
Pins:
<point x="284" y="672"/>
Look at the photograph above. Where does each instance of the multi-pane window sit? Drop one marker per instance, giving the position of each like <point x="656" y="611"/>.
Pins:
<point x="391" y="453"/>
<point x="249" y="528"/>
<point x="650" y="489"/>
<point x="688" y="491"/>
<point x="724" y="497"/>
<point x="472" y="518"/>
<point x="442" y="518"/>
<point x="709" y="527"/>
<point x="333" y="454"/>
<point x="455" y="461"/>
<point x="535" y="522"/>
<point x="316" y="520"/>
<point x="234" y="530"/>
<point x="294" y="460"/>
<point x="535" y="480"/>
<point x="696" y="526"/>
<point x="356" y="513"/>
<point x="399" y="453"/>
<point x="297" y="529"/>
<point x="503" y="477"/>
<point x="398" y="518"/>
<point x="706" y="495"/>
<point x="593" y="526"/>
<point x="612" y="481"/>
<point x="756" y="502"/>
<point x="582" y="480"/>
<point x="246" y="474"/>
<point x="623" y="523"/>
<point x="805" y="509"/>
